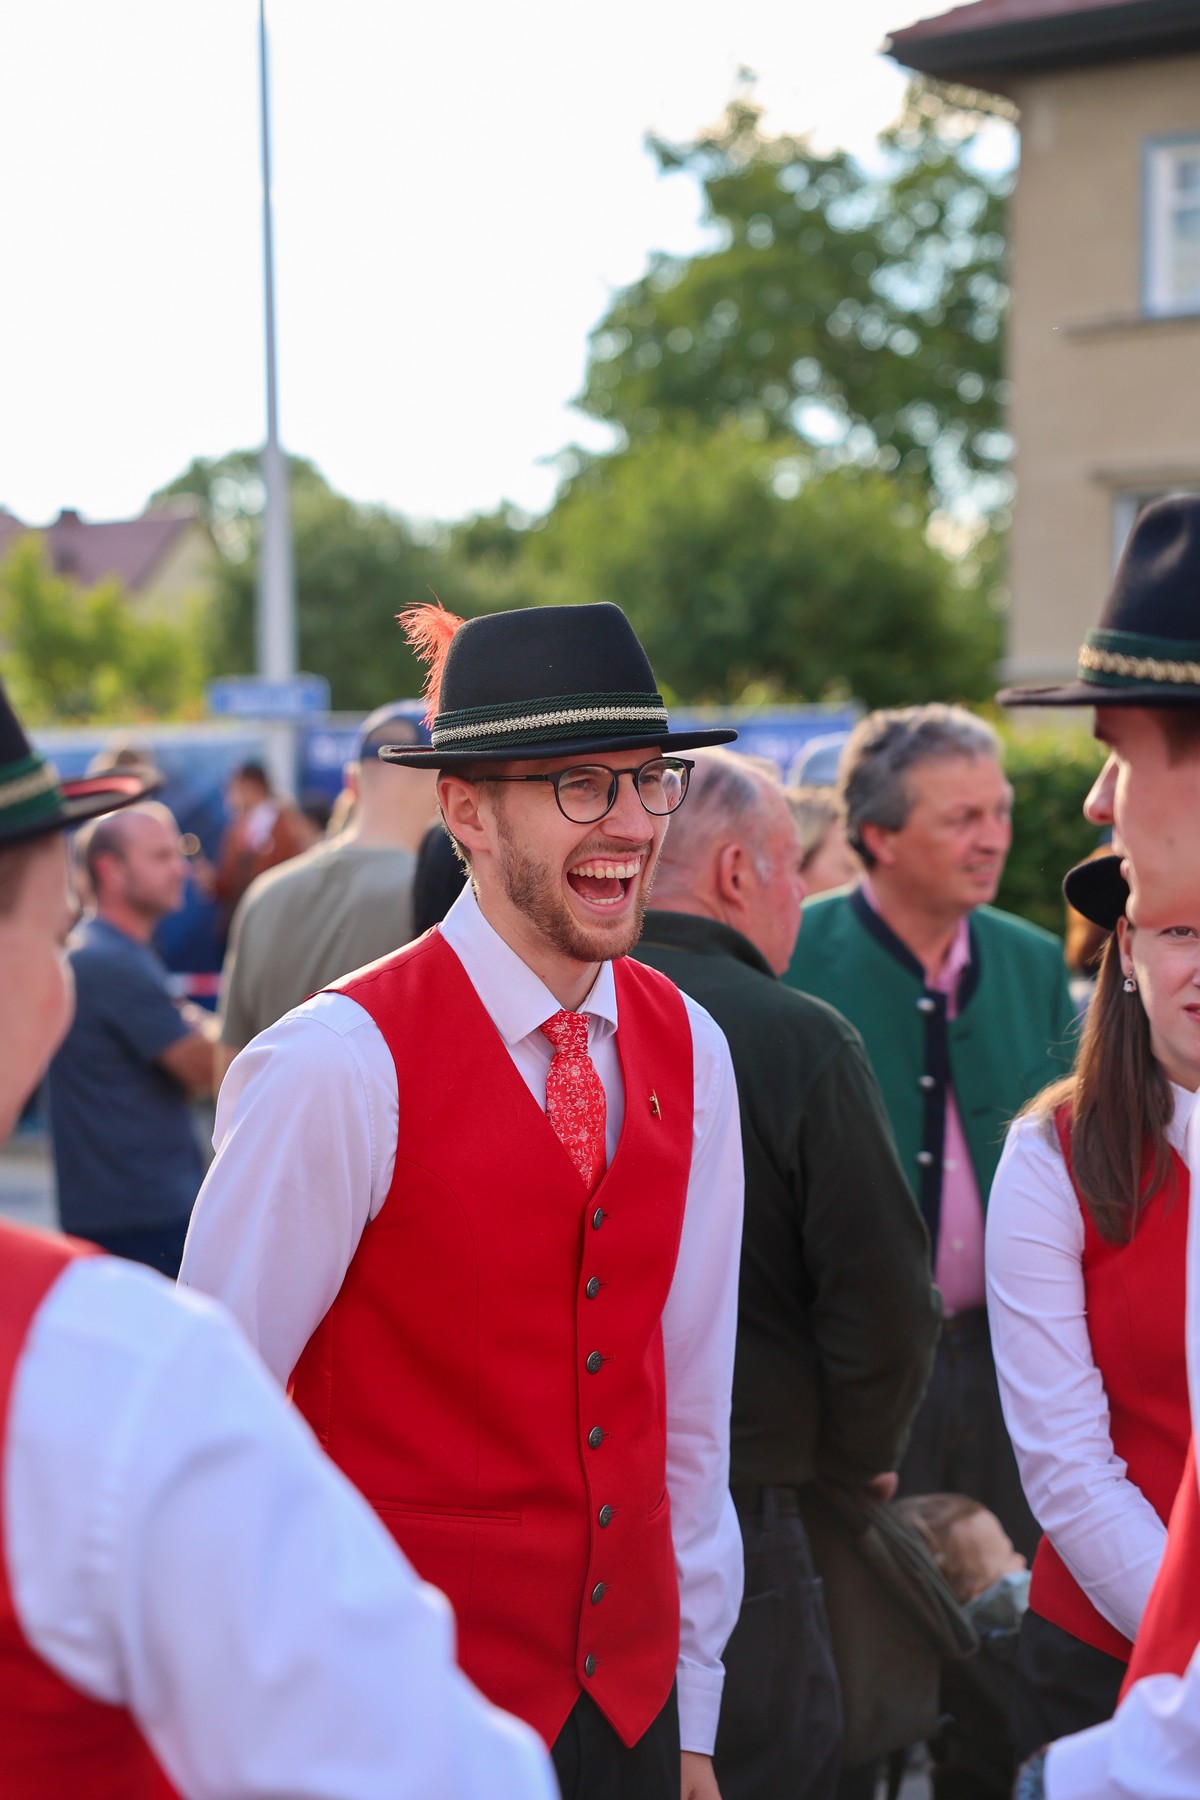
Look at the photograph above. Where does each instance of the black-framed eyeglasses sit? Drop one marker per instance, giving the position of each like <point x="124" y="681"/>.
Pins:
<point x="586" y="791"/>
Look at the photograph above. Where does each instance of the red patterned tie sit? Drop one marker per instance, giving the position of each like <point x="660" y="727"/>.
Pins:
<point x="575" y="1096"/>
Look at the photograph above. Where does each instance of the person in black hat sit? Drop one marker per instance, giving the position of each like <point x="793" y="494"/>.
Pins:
<point x="186" y="1584"/>
<point x="481" y="1205"/>
<point x="1140" y="669"/>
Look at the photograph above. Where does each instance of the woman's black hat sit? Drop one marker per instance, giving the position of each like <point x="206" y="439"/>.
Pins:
<point x="544" y="681"/>
<point x="1146" y="649"/>
<point x="34" y="802"/>
<point x="1098" y="890"/>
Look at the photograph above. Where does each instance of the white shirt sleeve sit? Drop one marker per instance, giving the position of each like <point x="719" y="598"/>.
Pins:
<point x="180" y="1546"/>
<point x="1055" y="1405"/>
<point x="306" y="1143"/>
<point x="699" y="1329"/>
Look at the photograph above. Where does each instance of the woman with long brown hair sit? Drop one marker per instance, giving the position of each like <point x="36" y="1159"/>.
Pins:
<point x="1086" y="1242"/>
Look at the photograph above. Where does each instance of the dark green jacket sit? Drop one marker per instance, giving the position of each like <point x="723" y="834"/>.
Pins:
<point x="837" y="1317"/>
<point x="1015" y="1029"/>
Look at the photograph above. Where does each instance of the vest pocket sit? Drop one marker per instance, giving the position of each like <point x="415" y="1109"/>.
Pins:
<point x="451" y="1515"/>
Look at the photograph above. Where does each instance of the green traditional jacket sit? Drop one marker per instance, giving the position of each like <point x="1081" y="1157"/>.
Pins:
<point x="1015" y="1028"/>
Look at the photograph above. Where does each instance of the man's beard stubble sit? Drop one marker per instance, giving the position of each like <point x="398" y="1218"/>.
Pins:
<point x="533" y="891"/>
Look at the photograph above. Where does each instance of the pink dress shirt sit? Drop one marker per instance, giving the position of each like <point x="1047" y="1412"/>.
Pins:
<point x="958" y="1254"/>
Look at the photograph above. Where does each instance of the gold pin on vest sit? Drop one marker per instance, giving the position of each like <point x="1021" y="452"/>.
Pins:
<point x="655" y="1108"/>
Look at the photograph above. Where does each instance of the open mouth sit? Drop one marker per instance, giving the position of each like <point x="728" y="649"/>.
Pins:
<point x="604" y="881"/>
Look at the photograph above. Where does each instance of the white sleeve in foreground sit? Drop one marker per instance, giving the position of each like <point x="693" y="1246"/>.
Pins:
<point x="306" y="1143"/>
<point x="699" y="1329"/>
<point x="203" y="1564"/>
<point x="1055" y="1404"/>
<point x="1150" y="1749"/>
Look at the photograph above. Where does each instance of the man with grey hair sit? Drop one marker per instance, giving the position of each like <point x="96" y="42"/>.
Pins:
<point x="966" y="1014"/>
<point x="127" y="1160"/>
<point x="836" y="1313"/>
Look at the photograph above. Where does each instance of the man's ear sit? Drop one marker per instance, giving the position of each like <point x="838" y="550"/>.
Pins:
<point x="462" y="805"/>
<point x="731" y="872"/>
<point x="878" y="840"/>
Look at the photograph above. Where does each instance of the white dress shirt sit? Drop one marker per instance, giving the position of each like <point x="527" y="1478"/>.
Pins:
<point x="177" y="1544"/>
<point x="1150" y="1749"/>
<point x="1055" y="1406"/>
<point x="306" y="1141"/>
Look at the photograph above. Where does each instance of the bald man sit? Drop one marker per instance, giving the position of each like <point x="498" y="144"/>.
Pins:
<point x="127" y="1160"/>
<point x="836" y="1313"/>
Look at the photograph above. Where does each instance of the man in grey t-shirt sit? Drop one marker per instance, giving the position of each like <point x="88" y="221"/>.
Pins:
<point x="339" y="905"/>
<point x="127" y="1161"/>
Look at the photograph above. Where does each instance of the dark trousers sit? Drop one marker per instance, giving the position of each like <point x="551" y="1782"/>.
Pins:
<point x="780" y="1732"/>
<point x="1063" y="1685"/>
<point x="158" y="1246"/>
<point x="592" y="1763"/>
<point x="959" y="1444"/>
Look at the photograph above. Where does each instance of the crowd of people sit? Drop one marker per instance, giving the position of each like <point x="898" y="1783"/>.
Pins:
<point x="678" y="1305"/>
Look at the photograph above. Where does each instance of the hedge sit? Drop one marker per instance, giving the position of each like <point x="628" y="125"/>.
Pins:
<point x="1051" y="770"/>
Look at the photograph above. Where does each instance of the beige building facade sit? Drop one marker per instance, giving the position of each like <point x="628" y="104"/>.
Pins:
<point x="1104" y="334"/>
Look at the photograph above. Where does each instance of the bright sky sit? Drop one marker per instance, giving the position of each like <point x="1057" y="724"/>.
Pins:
<point x="459" y="189"/>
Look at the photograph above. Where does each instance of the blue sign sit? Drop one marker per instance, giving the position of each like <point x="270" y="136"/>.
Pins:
<point x="254" y="697"/>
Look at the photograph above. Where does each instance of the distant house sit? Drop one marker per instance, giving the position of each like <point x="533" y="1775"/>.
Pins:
<point x="1104" y="341"/>
<point x="162" y="559"/>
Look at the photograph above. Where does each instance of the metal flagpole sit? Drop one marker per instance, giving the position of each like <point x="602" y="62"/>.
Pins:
<point x="276" y="582"/>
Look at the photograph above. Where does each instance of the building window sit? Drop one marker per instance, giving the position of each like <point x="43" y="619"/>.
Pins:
<point x="1171" y="271"/>
<point x="1128" y="505"/>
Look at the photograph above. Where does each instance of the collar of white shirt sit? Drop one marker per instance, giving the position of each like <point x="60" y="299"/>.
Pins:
<point x="1183" y="1102"/>
<point x="517" y="1000"/>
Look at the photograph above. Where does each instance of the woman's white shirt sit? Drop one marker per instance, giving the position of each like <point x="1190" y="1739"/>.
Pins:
<point x="1055" y="1405"/>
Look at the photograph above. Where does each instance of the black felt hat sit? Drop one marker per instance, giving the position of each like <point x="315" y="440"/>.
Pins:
<point x="545" y="681"/>
<point x="1098" y="890"/>
<point x="34" y="802"/>
<point x="1146" y="649"/>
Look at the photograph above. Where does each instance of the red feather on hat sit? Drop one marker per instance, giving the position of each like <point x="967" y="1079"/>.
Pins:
<point x="429" y="630"/>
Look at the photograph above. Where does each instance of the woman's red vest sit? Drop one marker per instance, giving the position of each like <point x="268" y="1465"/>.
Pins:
<point x="54" y="1740"/>
<point x="490" y="1375"/>
<point x="1135" y="1298"/>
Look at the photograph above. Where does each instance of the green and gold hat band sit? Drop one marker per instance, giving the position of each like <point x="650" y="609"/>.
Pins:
<point x="29" y="792"/>
<point x="549" y="721"/>
<point x="1117" y="659"/>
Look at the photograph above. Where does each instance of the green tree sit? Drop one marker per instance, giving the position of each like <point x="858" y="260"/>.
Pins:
<point x="749" y="578"/>
<point x="75" y="655"/>
<point x="356" y="568"/>
<point x="837" y="308"/>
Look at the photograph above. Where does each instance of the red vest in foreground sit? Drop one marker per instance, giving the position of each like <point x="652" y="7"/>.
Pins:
<point x="54" y="1740"/>
<point x="490" y="1375"/>
<point x="1135" y="1299"/>
<point x="1171" y="1623"/>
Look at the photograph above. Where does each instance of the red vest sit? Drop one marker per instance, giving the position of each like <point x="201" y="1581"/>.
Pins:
<point x="491" y="1373"/>
<point x="54" y="1740"/>
<point x="1171" y="1623"/>
<point x="1135" y="1295"/>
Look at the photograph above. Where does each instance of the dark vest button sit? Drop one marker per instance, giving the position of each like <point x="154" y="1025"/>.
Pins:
<point x="605" y="1516"/>
<point x="593" y="1287"/>
<point x="594" y="1362"/>
<point x="597" y="1218"/>
<point x="597" y="1593"/>
<point x="589" y="1665"/>
<point x="595" y="1437"/>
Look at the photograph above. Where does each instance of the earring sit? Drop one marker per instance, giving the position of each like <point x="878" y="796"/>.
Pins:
<point x="1130" y="984"/>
